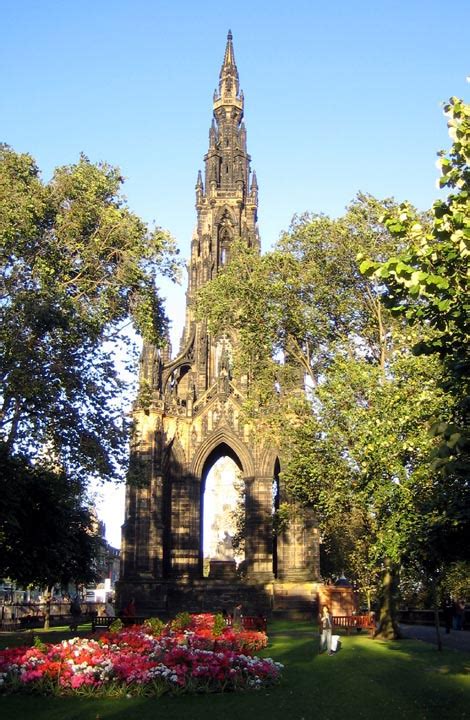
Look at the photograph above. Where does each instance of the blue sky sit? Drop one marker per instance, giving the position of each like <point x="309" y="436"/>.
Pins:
<point x="339" y="97"/>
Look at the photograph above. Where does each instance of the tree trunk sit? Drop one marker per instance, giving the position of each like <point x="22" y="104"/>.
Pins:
<point x="387" y="627"/>
<point x="436" y="616"/>
<point x="13" y="427"/>
<point x="438" y="629"/>
<point x="47" y="608"/>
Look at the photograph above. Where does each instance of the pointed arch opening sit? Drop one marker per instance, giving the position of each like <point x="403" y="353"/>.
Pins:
<point x="222" y="509"/>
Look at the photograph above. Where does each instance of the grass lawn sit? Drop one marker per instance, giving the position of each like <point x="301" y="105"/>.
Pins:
<point x="367" y="679"/>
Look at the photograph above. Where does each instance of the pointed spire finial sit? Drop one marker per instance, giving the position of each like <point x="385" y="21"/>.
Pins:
<point x="228" y="76"/>
<point x="229" y="57"/>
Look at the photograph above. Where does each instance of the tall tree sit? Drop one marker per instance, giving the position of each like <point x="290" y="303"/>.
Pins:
<point x="76" y="266"/>
<point x="357" y="435"/>
<point x="428" y="283"/>
<point x="47" y="533"/>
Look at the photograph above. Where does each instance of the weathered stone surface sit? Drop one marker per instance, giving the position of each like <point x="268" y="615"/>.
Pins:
<point x="189" y="416"/>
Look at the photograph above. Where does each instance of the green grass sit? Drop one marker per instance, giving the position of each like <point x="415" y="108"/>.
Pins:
<point x="366" y="680"/>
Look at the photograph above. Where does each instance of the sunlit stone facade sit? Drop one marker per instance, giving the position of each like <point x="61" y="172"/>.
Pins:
<point x="189" y="416"/>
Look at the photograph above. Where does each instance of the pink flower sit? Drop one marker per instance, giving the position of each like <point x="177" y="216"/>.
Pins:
<point x="190" y="659"/>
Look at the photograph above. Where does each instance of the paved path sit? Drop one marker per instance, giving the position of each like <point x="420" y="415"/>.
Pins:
<point x="456" y="639"/>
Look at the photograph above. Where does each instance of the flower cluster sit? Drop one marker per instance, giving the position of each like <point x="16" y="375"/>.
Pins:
<point x="149" y="660"/>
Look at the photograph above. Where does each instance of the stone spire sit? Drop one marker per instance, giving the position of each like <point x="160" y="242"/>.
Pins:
<point x="229" y="87"/>
<point x="226" y="204"/>
<point x="190" y="414"/>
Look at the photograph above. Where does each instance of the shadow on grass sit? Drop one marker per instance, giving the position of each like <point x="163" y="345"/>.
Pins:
<point x="375" y="679"/>
<point x="53" y="635"/>
<point x="366" y="679"/>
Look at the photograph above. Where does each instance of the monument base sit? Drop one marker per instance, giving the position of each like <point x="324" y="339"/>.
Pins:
<point x="222" y="570"/>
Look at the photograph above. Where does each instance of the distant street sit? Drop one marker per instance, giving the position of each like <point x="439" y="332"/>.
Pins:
<point x="456" y="639"/>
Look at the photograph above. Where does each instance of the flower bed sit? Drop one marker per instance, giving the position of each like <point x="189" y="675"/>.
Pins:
<point x="193" y="653"/>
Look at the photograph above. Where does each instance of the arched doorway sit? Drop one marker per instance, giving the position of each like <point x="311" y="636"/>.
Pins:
<point x="222" y="509"/>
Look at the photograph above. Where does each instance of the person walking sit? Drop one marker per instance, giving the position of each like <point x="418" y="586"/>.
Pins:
<point x="75" y="613"/>
<point x="130" y="609"/>
<point x="448" y="614"/>
<point x="326" y="628"/>
<point x="109" y="609"/>
<point x="459" y="614"/>
<point x="237" y="617"/>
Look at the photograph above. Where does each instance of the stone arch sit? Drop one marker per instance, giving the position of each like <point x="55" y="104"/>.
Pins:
<point x="217" y="452"/>
<point x="276" y="504"/>
<point x="226" y="211"/>
<point x="268" y="460"/>
<point x="222" y="436"/>
<point x="178" y="381"/>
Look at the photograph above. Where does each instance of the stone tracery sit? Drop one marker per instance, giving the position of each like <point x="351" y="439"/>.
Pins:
<point x="192" y="418"/>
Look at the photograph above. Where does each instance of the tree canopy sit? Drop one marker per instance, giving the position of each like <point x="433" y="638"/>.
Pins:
<point x="47" y="533"/>
<point x="429" y="283"/>
<point x="76" y="266"/>
<point x="331" y="363"/>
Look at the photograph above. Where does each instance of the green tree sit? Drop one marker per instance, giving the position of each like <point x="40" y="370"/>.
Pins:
<point x="327" y="359"/>
<point x="428" y="284"/>
<point x="47" y="533"/>
<point x="77" y="266"/>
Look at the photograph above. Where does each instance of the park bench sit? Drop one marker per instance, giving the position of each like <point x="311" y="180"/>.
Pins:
<point x="31" y="621"/>
<point x="249" y="622"/>
<point x="104" y="621"/>
<point x="354" y="622"/>
<point x="254" y="622"/>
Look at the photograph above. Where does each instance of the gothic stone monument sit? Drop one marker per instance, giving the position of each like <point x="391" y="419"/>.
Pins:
<point x="191" y="417"/>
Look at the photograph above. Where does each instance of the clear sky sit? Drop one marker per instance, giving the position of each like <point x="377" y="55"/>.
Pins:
<point x="339" y="97"/>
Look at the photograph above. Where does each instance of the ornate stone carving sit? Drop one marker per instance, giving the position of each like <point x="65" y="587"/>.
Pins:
<point x="192" y="418"/>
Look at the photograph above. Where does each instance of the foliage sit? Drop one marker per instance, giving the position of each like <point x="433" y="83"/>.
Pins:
<point x="434" y="267"/>
<point x="237" y="517"/>
<point x="219" y="624"/>
<point x="39" y="644"/>
<point x="328" y="361"/>
<point x="429" y="283"/>
<point x="154" y="625"/>
<point x="456" y="580"/>
<point x="133" y="662"/>
<point x="182" y="621"/>
<point x="282" y="517"/>
<point x="293" y="305"/>
<point x="116" y="626"/>
<point x="416" y="590"/>
<point x="47" y="533"/>
<point x="76" y="266"/>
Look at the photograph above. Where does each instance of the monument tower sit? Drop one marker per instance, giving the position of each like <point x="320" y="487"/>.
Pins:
<point x="188" y="416"/>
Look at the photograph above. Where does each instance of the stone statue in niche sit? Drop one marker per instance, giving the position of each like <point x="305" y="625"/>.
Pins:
<point x="224" y="550"/>
<point x="223" y="382"/>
